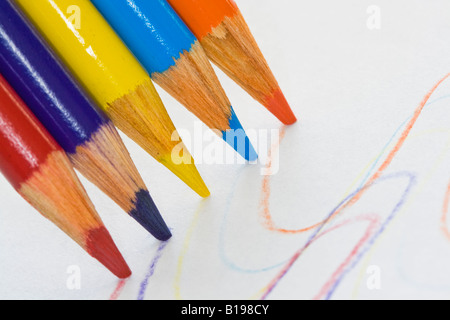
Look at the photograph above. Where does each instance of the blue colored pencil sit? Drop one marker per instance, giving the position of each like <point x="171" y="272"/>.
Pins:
<point x="83" y="131"/>
<point x="174" y="58"/>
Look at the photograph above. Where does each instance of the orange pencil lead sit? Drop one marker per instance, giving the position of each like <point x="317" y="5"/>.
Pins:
<point x="278" y="105"/>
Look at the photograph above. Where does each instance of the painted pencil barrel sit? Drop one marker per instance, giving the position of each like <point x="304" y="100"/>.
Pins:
<point x="202" y="16"/>
<point x="106" y="68"/>
<point x="149" y="26"/>
<point x="176" y="61"/>
<point x="94" y="53"/>
<point x="26" y="147"/>
<point x="43" y="83"/>
<point x="84" y="132"/>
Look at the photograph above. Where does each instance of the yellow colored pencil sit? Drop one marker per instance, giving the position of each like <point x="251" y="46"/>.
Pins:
<point x="105" y="67"/>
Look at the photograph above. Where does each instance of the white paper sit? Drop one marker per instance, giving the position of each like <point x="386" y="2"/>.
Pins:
<point x="355" y="84"/>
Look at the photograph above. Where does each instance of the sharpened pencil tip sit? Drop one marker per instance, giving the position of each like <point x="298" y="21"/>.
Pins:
<point x="238" y="139"/>
<point x="278" y="105"/>
<point x="100" y="245"/>
<point x="147" y="214"/>
<point x="188" y="173"/>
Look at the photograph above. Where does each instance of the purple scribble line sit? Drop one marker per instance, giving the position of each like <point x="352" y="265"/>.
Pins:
<point x="151" y="271"/>
<point x="310" y="240"/>
<point x="371" y="242"/>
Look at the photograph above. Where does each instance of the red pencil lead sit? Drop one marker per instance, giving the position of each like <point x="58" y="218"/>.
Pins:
<point x="100" y="245"/>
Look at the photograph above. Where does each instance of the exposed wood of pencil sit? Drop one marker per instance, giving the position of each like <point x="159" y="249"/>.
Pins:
<point x="193" y="82"/>
<point x="105" y="161"/>
<point x="232" y="47"/>
<point x="153" y="130"/>
<point x="55" y="191"/>
<point x="105" y="67"/>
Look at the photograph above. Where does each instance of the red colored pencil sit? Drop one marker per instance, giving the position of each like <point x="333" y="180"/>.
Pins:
<point x="226" y="38"/>
<point x="37" y="167"/>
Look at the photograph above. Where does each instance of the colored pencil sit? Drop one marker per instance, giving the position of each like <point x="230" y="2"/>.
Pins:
<point x="38" y="168"/>
<point x="84" y="132"/>
<point x="229" y="43"/>
<point x="176" y="61"/>
<point x="113" y="77"/>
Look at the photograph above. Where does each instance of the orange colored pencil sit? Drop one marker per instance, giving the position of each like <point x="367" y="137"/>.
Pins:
<point x="228" y="42"/>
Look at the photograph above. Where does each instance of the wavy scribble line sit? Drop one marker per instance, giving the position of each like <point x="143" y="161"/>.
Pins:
<point x="373" y="223"/>
<point x="357" y="257"/>
<point x="440" y="160"/>
<point x="223" y="230"/>
<point x="348" y="201"/>
<point x="267" y="194"/>
<point x="269" y="223"/>
<point x="271" y="286"/>
<point x="352" y="200"/>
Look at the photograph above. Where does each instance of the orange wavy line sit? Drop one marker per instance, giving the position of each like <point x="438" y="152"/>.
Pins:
<point x="266" y="191"/>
